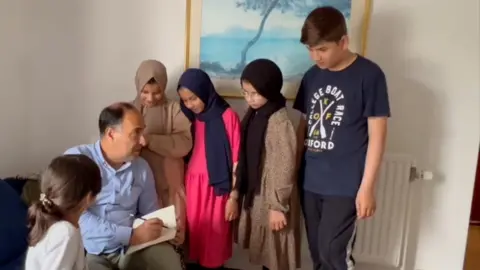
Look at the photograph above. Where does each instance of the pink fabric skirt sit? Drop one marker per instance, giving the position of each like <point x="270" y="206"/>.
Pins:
<point x="209" y="235"/>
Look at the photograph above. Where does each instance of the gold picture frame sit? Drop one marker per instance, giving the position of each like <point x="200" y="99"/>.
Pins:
<point x="228" y="85"/>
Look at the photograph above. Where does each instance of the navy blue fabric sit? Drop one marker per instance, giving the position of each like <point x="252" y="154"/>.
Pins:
<point x="337" y="105"/>
<point x="217" y="146"/>
<point x="16" y="183"/>
<point x="17" y="264"/>
<point x="14" y="232"/>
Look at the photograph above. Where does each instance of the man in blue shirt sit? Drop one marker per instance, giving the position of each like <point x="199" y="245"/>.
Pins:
<point x="344" y="103"/>
<point x="128" y="189"/>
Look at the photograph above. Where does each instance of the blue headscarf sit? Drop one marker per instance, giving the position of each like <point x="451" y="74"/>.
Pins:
<point x="217" y="146"/>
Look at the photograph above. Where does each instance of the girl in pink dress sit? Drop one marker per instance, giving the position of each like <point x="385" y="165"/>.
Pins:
<point x="211" y="202"/>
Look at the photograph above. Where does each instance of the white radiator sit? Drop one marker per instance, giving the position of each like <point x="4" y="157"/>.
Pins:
<point x="381" y="239"/>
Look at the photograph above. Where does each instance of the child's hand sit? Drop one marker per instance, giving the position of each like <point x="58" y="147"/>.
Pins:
<point x="365" y="202"/>
<point x="231" y="209"/>
<point x="278" y="220"/>
<point x="180" y="235"/>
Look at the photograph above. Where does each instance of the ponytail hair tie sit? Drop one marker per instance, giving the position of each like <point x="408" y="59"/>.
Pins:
<point x="45" y="201"/>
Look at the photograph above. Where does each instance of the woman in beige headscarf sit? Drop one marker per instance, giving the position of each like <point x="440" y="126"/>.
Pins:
<point x="168" y="138"/>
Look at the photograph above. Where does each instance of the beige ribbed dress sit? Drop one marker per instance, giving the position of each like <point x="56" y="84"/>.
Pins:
<point x="275" y="250"/>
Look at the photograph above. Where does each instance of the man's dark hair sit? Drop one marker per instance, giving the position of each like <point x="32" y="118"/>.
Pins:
<point x="323" y="24"/>
<point x="113" y="115"/>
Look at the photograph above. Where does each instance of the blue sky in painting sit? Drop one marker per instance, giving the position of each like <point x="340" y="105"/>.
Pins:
<point x="226" y="30"/>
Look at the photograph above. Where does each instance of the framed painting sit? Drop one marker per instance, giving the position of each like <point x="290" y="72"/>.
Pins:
<point x="225" y="35"/>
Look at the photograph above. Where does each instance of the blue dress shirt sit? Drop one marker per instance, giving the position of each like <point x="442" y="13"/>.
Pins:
<point x="106" y="227"/>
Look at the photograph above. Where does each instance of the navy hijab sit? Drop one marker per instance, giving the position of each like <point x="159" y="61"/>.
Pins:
<point x="217" y="146"/>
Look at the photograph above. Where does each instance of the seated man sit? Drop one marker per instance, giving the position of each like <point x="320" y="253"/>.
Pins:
<point x="128" y="189"/>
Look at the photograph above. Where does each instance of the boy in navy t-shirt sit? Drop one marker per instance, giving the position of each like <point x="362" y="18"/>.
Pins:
<point x="344" y="103"/>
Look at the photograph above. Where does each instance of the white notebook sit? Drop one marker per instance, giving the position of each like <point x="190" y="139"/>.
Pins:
<point x="167" y="215"/>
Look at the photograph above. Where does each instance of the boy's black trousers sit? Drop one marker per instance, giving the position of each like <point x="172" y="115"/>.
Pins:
<point x="331" y="225"/>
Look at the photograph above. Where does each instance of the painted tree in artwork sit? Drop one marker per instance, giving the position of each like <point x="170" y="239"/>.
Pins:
<point x="264" y="7"/>
<point x="300" y="8"/>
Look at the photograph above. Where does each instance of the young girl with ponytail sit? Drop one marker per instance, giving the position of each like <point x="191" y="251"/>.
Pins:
<point x="69" y="185"/>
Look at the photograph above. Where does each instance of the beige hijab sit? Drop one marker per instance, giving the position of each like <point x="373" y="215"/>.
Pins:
<point x="147" y="70"/>
<point x="161" y="121"/>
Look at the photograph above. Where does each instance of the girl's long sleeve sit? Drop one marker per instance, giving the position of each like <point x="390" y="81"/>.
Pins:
<point x="283" y="144"/>
<point x="179" y="142"/>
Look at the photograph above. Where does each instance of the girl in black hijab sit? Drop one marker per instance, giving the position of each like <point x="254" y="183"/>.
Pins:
<point x="269" y="220"/>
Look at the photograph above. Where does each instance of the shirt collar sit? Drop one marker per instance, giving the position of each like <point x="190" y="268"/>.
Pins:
<point x="104" y="163"/>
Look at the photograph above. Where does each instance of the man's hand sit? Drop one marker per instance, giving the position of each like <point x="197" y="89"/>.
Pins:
<point x="365" y="202"/>
<point x="277" y="220"/>
<point x="150" y="230"/>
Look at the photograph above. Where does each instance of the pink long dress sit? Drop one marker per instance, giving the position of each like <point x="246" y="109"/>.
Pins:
<point x="210" y="236"/>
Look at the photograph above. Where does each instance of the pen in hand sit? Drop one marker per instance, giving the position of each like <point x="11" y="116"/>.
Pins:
<point x="133" y="216"/>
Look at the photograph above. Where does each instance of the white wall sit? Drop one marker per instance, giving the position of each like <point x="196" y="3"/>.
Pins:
<point x="430" y="52"/>
<point x="13" y="104"/>
<point x="83" y="56"/>
<point x="62" y="61"/>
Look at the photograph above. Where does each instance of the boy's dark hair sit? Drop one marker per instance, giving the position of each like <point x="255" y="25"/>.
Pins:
<point x="64" y="184"/>
<point x="323" y="24"/>
<point x="113" y="115"/>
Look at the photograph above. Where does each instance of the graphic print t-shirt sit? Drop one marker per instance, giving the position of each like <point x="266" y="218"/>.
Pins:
<point x="337" y="105"/>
